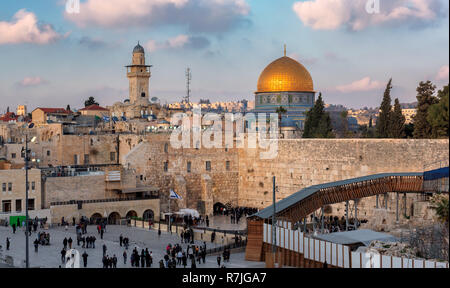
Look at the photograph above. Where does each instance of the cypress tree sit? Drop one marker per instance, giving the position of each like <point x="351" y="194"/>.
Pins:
<point x="425" y="92"/>
<point x="397" y="122"/>
<point x="318" y="122"/>
<point x="438" y="115"/>
<point x="382" y="128"/>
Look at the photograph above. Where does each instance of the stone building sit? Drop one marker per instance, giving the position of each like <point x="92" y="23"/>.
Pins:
<point x="12" y="195"/>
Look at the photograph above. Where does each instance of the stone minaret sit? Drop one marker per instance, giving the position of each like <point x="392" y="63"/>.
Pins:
<point x="139" y="76"/>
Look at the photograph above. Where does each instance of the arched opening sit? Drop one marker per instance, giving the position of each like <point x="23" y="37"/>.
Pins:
<point x="143" y="94"/>
<point x="148" y="215"/>
<point x="131" y="214"/>
<point x="114" y="218"/>
<point x="219" y="208"/>
<point x="96" y="218"/>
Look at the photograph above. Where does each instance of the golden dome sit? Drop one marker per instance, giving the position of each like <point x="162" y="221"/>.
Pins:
<point x="285" y="75"/>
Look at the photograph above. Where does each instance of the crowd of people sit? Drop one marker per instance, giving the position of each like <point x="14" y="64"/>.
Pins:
<point x="331" y="224"/>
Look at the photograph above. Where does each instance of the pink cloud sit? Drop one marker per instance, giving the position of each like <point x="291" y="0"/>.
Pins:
<point x="363" y="85"/>
<point x="177" y="42"/>
<point x="196" y="14"/>
<point x="443" y="73"/>
<point x="24" y="28"/>
<point x="32" y="81"/>
<point x="333" y="14"/>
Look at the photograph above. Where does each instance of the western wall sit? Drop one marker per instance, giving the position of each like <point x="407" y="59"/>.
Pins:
<point x="300" y="163"/>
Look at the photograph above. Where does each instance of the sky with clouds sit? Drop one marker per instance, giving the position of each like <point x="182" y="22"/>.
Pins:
<point x="50" y="57"/>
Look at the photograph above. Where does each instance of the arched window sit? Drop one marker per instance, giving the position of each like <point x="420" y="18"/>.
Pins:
<point x="143" y="94"/>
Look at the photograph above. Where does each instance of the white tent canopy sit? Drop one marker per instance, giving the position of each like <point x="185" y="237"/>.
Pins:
<point x="194" y="213"/>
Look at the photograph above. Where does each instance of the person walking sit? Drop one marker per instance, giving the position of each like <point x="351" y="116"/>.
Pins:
<point x="124" y="257"/>
<point x="184" y="260"/>
<point x="114" y="261"/>
<point x="101" y="233"/>
<point x="121" y="240"/>
<point x="218" y="260"/>
<point x="36" y="245"/>
<point x="8" y="243"/>
<point x="14" y="228"/>
<point x="70" y="242"/>
<point x="63" y="255"/>
<point x="65" y="242"/>
<point x="85" y="256"/>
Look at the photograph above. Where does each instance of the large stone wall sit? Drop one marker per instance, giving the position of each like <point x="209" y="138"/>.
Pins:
<point x="105" y="209"/>
<point x="61" y="189"/>
<point x="248" y="181"/>
<point x="302" y="163"/>
<point x="148" y="158"/>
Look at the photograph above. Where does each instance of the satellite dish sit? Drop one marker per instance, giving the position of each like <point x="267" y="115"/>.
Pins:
<point x="31" y="125"/>
<point x="154" y="99"/>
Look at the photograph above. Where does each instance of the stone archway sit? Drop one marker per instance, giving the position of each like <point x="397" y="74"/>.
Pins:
<point x="114" y="218"/>
<point x="131" y="214"/>
<point x="96" y="218"/>
<point x="148" y="215"/>
<point x="218" y="207"/>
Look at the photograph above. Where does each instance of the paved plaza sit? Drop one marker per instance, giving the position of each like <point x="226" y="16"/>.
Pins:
<point x="50" y="257"/>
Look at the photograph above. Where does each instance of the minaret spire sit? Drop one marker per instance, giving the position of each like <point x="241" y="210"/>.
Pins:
<point x="284" y="50"/>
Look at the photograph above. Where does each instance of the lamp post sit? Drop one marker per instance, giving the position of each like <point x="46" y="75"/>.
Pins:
<point x="26" y="156"/>
<point x="26" y="203"/>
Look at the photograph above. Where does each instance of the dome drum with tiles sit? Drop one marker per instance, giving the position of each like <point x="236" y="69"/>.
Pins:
<point x="287" y="83"/>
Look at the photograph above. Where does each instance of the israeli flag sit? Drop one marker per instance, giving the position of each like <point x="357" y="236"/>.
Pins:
<point x="174" y="195"/>
<point x="124" y="118"/>
<point x="105" y="118"/>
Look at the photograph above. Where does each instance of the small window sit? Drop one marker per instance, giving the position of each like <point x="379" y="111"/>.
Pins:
<point x="6" y="206"/>
<point x="227" y="165"/>
<point x="112" y="156"/>
<point x="18" y="205"/>
<point x="189" y="165"/>
<point x="166" y="148"/>
<point x="208" y="165"/>
<point x="75" y="159"/>
<point x="143" y="94"/>
<point x="48" y="152"/>
<point x="142" y="177"/>
<point x="86" y="159"/>
<point x="31" y="204"/>
<point x="166" y="166"/>
<point x="4" y="187"/>
<point x="92" y="142"/>
<point x="13" y="155"/>
<point x="33" y="186"/>
<point x="9" y="187"/>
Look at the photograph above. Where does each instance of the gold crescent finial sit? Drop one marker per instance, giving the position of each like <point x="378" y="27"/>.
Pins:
<point x="284" y="50"/>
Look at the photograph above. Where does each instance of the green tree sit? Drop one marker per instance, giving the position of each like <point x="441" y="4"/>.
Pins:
<point x="383" y="122"/>
<point x="68" y="108"/>
<point x="441" y="206"/>
<point x="318" y="122"/>
<point x="344" y="120"/>
<point x="397" y="122"/>
<point x="90" y="101"/>
<point x="426" y="98"/>
<point x="438" y="115"/>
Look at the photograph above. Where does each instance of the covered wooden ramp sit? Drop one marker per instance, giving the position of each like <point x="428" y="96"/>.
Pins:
<point x="299" y="205"/>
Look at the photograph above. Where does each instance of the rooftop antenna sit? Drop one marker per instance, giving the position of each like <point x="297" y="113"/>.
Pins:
<point x="188" y="85"/>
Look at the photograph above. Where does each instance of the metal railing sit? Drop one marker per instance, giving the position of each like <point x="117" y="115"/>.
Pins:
<point x="240" y="244"/>
<point x="74" y="202"/>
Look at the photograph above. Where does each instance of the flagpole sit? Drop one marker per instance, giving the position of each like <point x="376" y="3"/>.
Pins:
<point x="170" y="216"/>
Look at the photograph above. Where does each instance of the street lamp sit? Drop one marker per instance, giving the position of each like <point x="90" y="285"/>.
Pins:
<point x="26" y="156"/>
